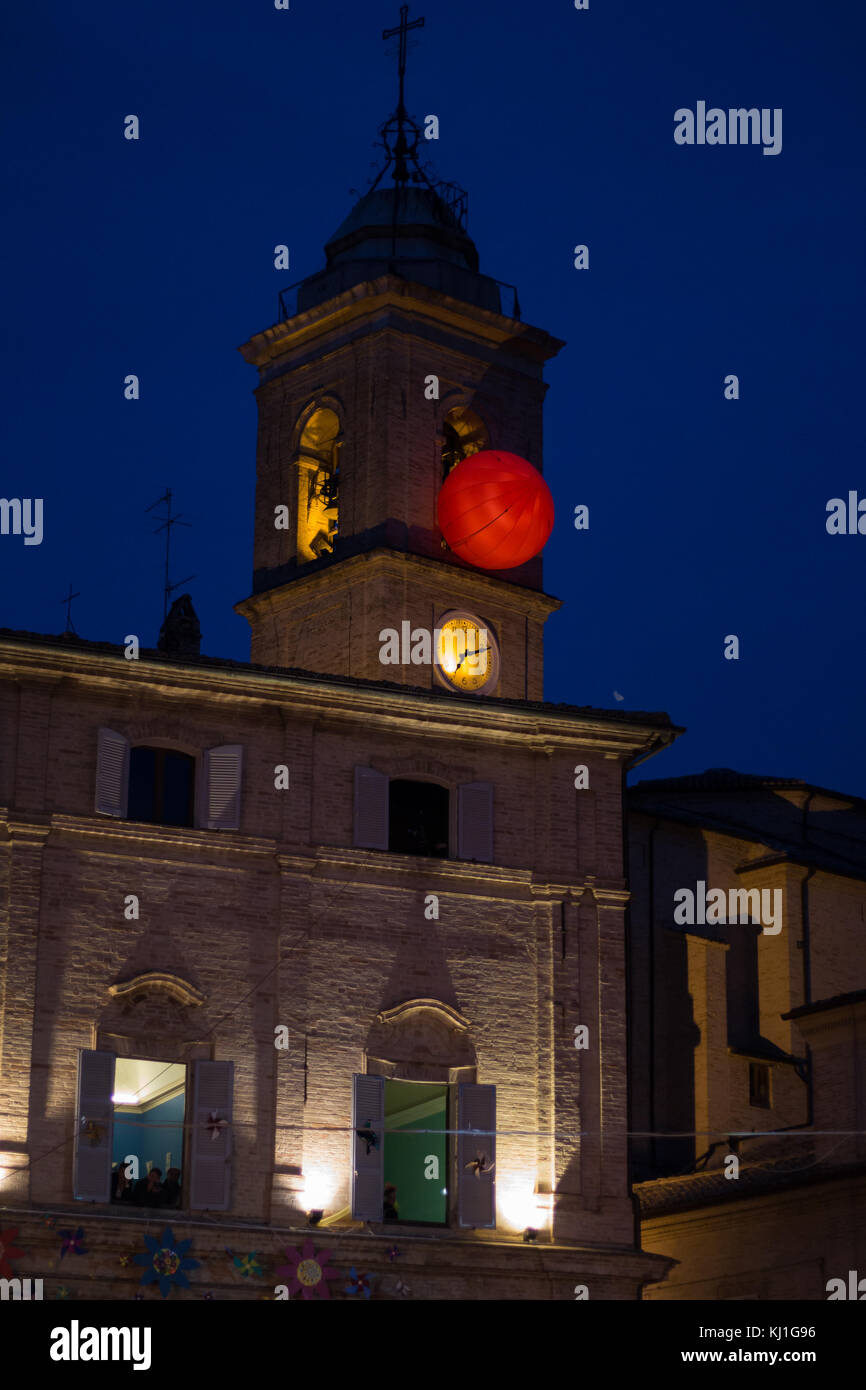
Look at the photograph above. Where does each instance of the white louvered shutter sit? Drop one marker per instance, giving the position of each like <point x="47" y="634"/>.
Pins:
<point x="209" y="1185"/>
<point x="475" y="822"/>
<point x="95" y="1126"/>
<point x="371" y="809"/>
<point x="112" y="773"/>
<point x="476" y="1196"/>
<point x="368" y="1169"/>
<point x="223" y="768"/>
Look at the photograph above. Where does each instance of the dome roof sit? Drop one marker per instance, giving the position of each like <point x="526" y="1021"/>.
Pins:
<point x="405" y="230"/>
<point x="416" y="219"/>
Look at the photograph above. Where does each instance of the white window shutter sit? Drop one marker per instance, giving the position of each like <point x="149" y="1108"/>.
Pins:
<point x="209" y="1185"/>
<point x="223" y="773"/>
<point x="476" y="1156"/>
<point x="475" y="822"/>
<point x="371" y="809"/>
<point x="368" y="1169"/>
<point x="112" y="773"/>
<point x="95" y="1126"/>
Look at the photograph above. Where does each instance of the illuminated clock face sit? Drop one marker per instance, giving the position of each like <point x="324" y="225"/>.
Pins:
<point x="467" y="656"/>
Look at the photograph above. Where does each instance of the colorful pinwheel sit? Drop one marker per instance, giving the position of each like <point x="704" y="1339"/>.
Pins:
<point x="358" y="1283"/>
<point x="73" y="1242"/>
<point x="215" y="1125"/>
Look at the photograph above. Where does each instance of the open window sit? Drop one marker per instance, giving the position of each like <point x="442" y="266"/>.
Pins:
<point x="147" y="1157"/>
<point x="415" y="817"/>
<point x="139" y="1143"/>
<point x="463" y="434"/>
<point x="161" y="786"/>
<point x="318" y="462"/>
<point x="404" y="1160"/>
<point x="418" y="818"/>
<point x="158" y="785"/>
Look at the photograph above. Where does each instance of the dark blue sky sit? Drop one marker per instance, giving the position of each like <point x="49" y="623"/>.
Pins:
<point x="707" y="516"/>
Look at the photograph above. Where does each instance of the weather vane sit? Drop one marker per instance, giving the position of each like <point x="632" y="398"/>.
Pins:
<point x="166" y="526"/>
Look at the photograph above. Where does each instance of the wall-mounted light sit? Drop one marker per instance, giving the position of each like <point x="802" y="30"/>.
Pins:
<point x="530" y="1235"/>
<point x="314" y="1217"/>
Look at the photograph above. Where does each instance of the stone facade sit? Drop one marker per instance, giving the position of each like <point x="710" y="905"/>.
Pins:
<point x="712" y="1003"/>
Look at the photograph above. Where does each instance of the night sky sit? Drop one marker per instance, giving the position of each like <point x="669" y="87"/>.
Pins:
<point x="707" y="516"/>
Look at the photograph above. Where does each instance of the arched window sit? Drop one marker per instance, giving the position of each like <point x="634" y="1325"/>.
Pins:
<point x="463" y="434"/>
<point x="418" y="818"/>
<point x="318" y="461"/>
<point x="161" y="786"/>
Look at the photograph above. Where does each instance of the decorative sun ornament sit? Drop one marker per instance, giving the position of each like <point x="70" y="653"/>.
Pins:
<point x="308" y="1271"/>
<point x="495" y="510"/>
<point x="165" y="1262"/>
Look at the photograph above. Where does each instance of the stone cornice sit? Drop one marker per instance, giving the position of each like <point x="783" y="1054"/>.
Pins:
<point x="389" y="293"/>
<point x="119" y="836"/>
<point x="401" y="564"/>
<point x="536" y="727"/>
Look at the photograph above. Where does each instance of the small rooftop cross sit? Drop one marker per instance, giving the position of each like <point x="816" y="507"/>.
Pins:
<point x="402" y="29"/>
<point x="68" y="601"/>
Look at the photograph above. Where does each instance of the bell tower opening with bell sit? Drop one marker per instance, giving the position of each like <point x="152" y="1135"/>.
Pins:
<point x="399" y="449"/>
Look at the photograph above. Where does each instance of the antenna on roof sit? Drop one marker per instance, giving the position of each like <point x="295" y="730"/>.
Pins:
<point x="68" y="601"/>
<point x="168" y="522"/>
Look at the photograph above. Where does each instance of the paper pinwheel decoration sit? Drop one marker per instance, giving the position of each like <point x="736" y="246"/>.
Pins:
<point x="215" y="1125"/>
<point x="358" y="1283"/>
<point x="165" y="1262"/>
<point x="94" y="1133"/>
<point x="307" y="1271"/>
<point x="75" y="1242"/>
<point x="403" y="1289"/>
<point x="247" y="1265"/>
<point x="393" y="1253"/>
<point x="480" y="1165"/>
<point x="207" y="1296"/>
<point x="8" y="1251"/>
<point x="369" y="1136"/>
<point x="62" y="1291"/>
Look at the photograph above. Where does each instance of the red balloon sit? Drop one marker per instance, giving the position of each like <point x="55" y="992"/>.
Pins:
<point x="495" y="510"/>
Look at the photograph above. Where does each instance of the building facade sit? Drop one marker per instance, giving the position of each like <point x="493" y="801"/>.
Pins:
<point x="748" y="1033"/>
<point x="337" y="945"/>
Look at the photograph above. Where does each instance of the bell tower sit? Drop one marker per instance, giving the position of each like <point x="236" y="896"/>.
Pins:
<point x="388" y="367"/>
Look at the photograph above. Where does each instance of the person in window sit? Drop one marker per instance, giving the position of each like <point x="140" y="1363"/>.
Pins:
<point x="171" y="1188"/>
<point x="121" y="1186"/>
<point x="148" y="1191"/>
<point x="389" y="1209"/>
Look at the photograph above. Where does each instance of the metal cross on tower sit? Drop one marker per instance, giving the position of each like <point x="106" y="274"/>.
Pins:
<point x="402" y="29"/>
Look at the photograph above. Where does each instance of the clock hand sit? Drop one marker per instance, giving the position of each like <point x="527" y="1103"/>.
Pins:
<point x="481" y="652"/>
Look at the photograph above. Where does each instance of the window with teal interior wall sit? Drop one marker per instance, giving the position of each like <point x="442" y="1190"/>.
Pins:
<point x="416" y="1164"/>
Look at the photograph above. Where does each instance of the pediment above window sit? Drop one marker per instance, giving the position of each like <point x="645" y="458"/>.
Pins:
<point x="431" y="1006"/>
<point x="158" y="981"/>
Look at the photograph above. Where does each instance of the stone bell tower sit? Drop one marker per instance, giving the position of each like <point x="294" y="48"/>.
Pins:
<point x="390" y="365"/>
